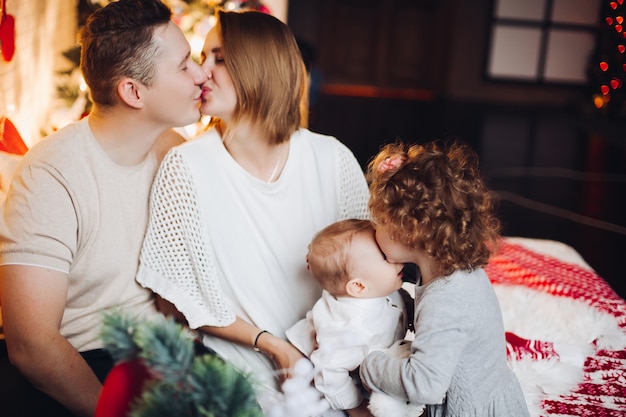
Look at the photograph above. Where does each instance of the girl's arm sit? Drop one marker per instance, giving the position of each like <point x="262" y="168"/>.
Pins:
<point x="441" y="335"/>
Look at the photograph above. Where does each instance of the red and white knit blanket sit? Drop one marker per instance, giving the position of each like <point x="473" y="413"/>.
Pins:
<point x="602" y="391"/>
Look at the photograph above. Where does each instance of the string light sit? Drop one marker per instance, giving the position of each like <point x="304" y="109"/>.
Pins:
<point x="611" y="65"/>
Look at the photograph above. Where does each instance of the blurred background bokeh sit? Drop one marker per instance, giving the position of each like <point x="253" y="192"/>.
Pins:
<point x="534" y="86"/>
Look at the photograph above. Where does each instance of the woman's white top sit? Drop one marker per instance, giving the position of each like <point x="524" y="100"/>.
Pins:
<point x="222" y="243"/>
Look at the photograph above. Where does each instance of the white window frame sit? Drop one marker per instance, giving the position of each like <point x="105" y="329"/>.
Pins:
<point x="542" y="41"/>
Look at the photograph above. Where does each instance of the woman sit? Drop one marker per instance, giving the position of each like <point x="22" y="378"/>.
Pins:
<point x="233" y="211"/>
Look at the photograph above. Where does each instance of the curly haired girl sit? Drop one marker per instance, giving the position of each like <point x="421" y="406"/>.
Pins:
<point x="432" y="208"/>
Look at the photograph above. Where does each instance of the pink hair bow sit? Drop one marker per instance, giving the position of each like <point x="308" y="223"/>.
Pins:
<point x="391" y="162"/>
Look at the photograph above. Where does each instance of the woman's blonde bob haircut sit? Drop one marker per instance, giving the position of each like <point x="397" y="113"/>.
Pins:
<point x="264" y="61"/>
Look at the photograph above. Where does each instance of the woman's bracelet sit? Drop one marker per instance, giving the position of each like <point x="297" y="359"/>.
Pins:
<point x="256" y="340"/>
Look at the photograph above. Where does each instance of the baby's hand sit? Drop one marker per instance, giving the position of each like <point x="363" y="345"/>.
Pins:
<point x="400" y="349"/>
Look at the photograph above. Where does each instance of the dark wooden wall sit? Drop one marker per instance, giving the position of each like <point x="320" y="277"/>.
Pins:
<point x="417" y="49"/>
<point x="387" y="43"/>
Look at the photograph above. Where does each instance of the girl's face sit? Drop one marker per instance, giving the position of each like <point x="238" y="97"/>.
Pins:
<point x="394" y="251"/>
<point x="219" y="98"/>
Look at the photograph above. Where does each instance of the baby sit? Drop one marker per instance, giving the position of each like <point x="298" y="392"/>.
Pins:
<point x="360" y="309"/>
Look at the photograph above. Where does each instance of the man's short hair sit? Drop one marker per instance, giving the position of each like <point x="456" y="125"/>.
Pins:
<point x="118" y="41"/>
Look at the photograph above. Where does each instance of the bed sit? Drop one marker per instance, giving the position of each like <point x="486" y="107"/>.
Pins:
<point x="565" y="329"/>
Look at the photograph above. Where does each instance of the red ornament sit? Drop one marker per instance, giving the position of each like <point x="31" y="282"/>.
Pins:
<point x="123" y="384"/>
<point x="7" y="32"/>
<point x="604" y="89"/>
<point x="621" y="48"/>
<point x="10" y="139"/>
<point x="604" y="66"/>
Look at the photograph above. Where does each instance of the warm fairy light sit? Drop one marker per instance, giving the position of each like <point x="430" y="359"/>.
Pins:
<point x="618" y="28"/>
<point x="609" y="20"/>
<point x="621" y="48"/>
<point x="196" y="42"/>
<point x="615" y="83"/>
<point x="82" y="85"/>
<point x="604" y="89"/>
<point x="194" y="129"/>
<point x="598" y="102"/>
<point x="619" y="19"/>
<point x="604" y="66"/>
<point x="613" y="5"/>
<point x="231" y="5"/>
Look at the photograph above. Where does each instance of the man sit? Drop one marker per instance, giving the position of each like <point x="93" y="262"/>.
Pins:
<point x="74" y="219"/>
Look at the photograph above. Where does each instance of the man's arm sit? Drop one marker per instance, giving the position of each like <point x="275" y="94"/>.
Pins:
<point x="33" y="302"/>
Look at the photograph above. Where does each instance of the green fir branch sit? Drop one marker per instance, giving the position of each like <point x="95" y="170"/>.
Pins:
<point x="117" y="334"/>
<point x="221" y="390"/>
<point x="182" y="384"/>
<point x="166" y="348"/>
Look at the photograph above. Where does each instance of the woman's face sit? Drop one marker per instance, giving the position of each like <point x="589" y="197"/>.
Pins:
<point x="219" y="98"/>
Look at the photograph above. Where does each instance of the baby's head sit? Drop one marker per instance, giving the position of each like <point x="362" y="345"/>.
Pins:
<point x="432" y="198"/>
<point x="345" y="259"/>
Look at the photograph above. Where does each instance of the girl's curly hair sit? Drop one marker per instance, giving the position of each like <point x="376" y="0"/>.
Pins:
<point x="432" y="197"/>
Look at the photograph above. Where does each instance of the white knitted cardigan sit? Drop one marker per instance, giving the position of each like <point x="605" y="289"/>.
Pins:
<point x="177" y="261"/>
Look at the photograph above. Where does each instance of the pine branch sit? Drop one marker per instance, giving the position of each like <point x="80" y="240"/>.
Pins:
<point x="166" y="348"/>
<point x="117" y="334"/>
<point x="183" y="384"/>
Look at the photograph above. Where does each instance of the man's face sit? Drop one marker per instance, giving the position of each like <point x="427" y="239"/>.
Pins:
<point x="174" y="97"/>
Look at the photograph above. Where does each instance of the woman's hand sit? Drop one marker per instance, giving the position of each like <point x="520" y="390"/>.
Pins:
<point x="282" y="353"/>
